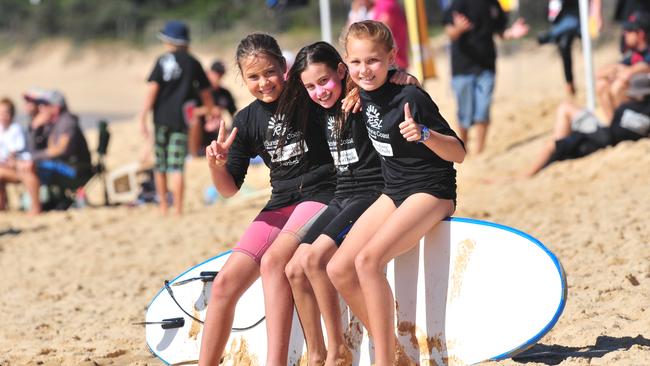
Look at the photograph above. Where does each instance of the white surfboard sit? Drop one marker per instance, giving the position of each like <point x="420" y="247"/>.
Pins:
<point x="471" y="291"/>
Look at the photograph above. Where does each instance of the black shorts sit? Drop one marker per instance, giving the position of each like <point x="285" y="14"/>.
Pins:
<point x="338" y="218"/>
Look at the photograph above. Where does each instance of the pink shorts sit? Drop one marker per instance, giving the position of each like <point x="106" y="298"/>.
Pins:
<point x="295" y="220"/>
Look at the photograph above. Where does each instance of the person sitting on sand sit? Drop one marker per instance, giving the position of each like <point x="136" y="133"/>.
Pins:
<point x="578" y="132"/>
<point x="65" y="163"/>
<point x="13" y="155"/>
<point x="613" y="80"/>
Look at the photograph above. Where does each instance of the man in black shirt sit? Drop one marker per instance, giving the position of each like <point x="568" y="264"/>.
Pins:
<point x="471" y="24"/>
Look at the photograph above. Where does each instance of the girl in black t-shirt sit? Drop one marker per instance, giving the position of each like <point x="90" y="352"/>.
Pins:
<point x="302" y="181"/>
<point x="417" y="149"/>
<point x="319" y="75"/>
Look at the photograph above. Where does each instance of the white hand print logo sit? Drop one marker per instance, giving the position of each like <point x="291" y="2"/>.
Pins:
<point x="276" y="124"/>
<point x="330" y="123"/>
<point x="373" y="117"/>
<point x="170" y="67"/>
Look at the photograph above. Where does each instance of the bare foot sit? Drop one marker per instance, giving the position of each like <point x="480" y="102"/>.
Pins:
<point x="343" y="357"/>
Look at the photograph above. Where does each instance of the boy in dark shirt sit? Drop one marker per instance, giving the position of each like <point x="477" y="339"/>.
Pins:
<point x="174" y="80"/>
<point x="471" y="24"/>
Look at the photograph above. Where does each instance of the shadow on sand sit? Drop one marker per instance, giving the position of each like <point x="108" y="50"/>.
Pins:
<point x="555" y="354"/>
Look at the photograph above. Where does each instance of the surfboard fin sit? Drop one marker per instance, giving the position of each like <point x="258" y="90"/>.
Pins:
<point x="170" y="323"/>
<point x="206" y="276"/>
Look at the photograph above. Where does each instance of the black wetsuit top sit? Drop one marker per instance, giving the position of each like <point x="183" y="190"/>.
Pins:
<point x="407" y="167"/>
<point x="358" y="169"/>
<point x="297" y="174"/>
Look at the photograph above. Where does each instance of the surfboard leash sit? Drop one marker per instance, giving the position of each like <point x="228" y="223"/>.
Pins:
<point x="204" y="278"/>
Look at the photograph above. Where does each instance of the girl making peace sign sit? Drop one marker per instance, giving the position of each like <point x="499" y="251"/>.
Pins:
<point x="302" y="181"/>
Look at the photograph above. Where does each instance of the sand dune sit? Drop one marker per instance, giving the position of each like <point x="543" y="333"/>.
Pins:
<point x="75" y="281"/>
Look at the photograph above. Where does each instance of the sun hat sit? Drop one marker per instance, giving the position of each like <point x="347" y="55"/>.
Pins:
<point x="53" y="97"/>
<point x="175" y="32"/>
<point x="34" y="95"/>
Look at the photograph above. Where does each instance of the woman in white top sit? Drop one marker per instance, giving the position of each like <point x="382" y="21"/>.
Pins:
<point x="15" y="163"/>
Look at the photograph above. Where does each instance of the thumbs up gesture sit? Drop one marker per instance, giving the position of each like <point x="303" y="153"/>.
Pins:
<point x="409" y="128"/>
<point x="217" y="151"/>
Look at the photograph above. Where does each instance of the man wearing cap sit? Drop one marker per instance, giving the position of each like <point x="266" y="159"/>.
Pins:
<point x="65" y="161"/>
<point x="578" y="133"/>
<point x="174" y="81"/>
<point x="38" y="131"/>
<point x="613" y="80"/>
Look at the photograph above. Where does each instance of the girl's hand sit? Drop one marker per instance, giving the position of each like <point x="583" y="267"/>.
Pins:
<point x="217" y="151"/>
<point x="409" y="128"/>
<point x="352" y="101"/>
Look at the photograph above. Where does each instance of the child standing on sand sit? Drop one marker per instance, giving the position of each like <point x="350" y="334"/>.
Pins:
<point x="302" y="181"/>
<point x="417" y="149"/>
<point x="172" y="84"/>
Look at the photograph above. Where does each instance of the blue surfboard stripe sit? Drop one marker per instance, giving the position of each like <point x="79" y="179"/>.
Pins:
<point x="558" y="266"/>
<point x="502" y="356"/>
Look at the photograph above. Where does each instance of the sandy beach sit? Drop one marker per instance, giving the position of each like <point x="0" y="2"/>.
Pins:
<point x="75" y="281"/>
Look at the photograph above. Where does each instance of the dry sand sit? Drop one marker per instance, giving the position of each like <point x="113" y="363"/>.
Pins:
<point x="75" y="281"/>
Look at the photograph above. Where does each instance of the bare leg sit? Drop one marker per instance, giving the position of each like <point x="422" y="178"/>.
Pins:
<point x="396" y="235"/>
<point x="307" y="307"/>
<point x="32" y="183"/>
<point x="236" y="276"/>
<point x="540" y="160"/>
<point x="341" y="270"/>
<point x="618" y="89"/>
<point x="481" y="132"/>
<point x="194" y="137"/>
<point x="27" y="177"/>
<point x="277" y="297"/>
<point x="565" y="113"/>
<point x="605" y="100"/>
<point x="178" y="187"/>
<point x="161" y="189"/>
<point x="3" y="196"/>
<point x="314" y="263"/>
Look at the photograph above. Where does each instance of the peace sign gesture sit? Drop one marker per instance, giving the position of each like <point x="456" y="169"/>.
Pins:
<point x="217" y="151"/>
<point x="409" y="129"/>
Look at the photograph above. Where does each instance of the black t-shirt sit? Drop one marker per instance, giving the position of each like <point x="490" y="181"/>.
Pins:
<point x="222" y="98"/>
<point x="407" y="167"/>
<point x="569" y="7"/>
<point x="631" y="122"/>
<point x="76" y="152"/>
<point x="474" y="51"/>
<point x="179" y="76"/>
<point x="358" y="169"/>
<point x="296" y="175"/>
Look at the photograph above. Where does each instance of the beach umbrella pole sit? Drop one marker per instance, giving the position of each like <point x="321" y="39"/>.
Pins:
<point x="325" y="21"/>
<point x="587" y="54"/>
